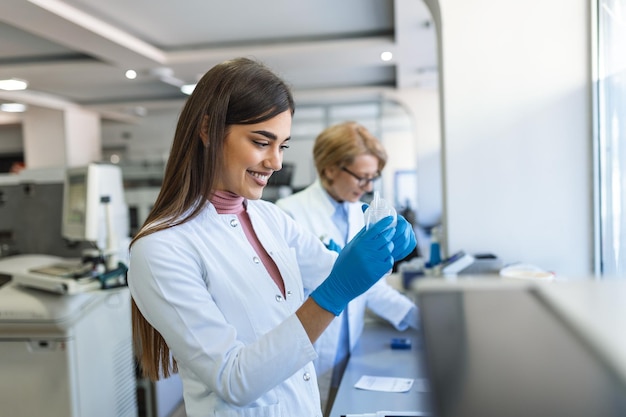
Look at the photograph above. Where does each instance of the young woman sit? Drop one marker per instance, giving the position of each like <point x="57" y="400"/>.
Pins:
<point x="217" y="275"/>
<point x="348" y="159"/>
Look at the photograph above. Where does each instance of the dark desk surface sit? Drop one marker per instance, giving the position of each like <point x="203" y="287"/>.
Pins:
<point x="373" y="356"/>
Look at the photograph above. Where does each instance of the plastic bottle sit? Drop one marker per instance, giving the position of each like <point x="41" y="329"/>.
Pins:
<point x="379" y="209"/>
<point x="435" y="248"/>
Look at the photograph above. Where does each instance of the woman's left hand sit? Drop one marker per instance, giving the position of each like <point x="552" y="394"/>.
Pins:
<point x="404" y="240"/>
<point x="332" y="245"/>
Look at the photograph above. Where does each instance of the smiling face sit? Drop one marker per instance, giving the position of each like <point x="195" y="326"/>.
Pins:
<point x="252" y="153"/>
<point x="343" y="186"/>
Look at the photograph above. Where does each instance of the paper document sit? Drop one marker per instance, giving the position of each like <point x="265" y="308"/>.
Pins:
<point x="390" y="414"/>
<point x="389" y="384"/>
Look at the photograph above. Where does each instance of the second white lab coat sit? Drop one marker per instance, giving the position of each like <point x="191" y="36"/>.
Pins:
<point x="312" y="209"/>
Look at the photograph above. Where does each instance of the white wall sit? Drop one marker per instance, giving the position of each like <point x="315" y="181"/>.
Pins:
<point x="61" y="138"/>
<point x="148" y="140"/>
<point x="82" y="138"/>
<point x="40" y="123"/>
<point x="517" y="131"/>
<point x="423" y="146"/>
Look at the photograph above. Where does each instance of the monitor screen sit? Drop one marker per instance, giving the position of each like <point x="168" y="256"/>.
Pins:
<point x="76" y="212"/>
<point x="90" y="192"/>
<point x="505" y="353"/>
<point x="282" y="177"/>
<point x="78" y="208"/>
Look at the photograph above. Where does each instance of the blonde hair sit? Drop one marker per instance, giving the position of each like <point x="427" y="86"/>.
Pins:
<point x="239" y="91"/>
<point x="340" y="144"/>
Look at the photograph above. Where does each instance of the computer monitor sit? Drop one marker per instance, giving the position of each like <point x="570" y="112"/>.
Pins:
<point x="499" y="350"/>
<point x="283" y="177"/>
<point x="89" y="193"/>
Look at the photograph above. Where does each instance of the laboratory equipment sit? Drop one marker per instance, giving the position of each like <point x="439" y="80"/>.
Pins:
<point x="435" y="248"/>
<point x="499" y="348"/>
<point x="456" y="263"/>
<point x="279" y="183"/>
<point x="65" y="356"/>
<point x="44" y="273"/>
<point x="93" y="212"/>
<point x="94" y="209"/>
<point x="31" y="214"/>
<point x="402" y="343"/>
<point x="379" y="209"/>
<point x="31" y="207"/>
<point x="31" y="217"/>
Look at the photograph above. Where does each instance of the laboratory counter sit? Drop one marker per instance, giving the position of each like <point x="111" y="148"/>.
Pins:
<point x="373" y="356"/>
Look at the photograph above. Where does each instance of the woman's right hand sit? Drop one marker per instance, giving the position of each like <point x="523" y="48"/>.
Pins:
<point x="361" y="263"/>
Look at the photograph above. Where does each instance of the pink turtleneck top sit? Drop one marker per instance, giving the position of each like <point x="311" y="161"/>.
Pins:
<point x="226" y="202"/>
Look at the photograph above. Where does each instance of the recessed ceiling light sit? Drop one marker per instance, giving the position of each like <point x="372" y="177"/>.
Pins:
<point x="13" y="107"/>
<point x="188" y="88"/>
<point x="386" y="56"/>
<point x="131" y="74"/>
<point x="13" y="84"/>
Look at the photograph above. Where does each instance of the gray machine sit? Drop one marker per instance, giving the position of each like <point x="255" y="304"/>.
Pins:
<point x="65" y="356"/>
<point x="524" y="347"/>
<point x="31" y="209"/>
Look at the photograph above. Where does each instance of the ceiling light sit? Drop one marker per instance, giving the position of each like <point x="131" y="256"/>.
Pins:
<point x="136" y="111"/>
<point x="188" y="88"/>
<point x="13" y="84"/>
<point x="13" y="107"/>
<point x="166" y="75"/>
<point x="131" y="74"/>
<point x="386" y="56"/>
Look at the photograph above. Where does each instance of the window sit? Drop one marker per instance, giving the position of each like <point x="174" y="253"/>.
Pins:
<point x="610" y="122"/>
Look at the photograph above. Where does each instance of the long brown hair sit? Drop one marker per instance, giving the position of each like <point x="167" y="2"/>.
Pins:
<point x="238" y="91"/>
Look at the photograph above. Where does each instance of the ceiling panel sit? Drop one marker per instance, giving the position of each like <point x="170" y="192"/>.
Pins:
<point x="77" y="51"/>
<point x="174" y="25"/>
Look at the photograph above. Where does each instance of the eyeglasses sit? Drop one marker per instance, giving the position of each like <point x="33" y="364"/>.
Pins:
<point x="363" y="182"/>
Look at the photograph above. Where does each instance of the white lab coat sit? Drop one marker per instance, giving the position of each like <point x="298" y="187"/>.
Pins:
<point x="312" y="209"/>
<point x="241" y="351"/>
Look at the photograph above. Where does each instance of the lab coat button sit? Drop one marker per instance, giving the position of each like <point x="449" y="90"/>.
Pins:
<point x="306" y="376"/>
<point x="234" y="222"/>
<point x="256" y="260"/>
<point x="279" y="297"/>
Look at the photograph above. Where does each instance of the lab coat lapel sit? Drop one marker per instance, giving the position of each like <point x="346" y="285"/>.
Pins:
<point x="321" y="215"/>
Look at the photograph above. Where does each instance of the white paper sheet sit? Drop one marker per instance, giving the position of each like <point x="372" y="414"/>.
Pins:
<point x="389" y="384"/>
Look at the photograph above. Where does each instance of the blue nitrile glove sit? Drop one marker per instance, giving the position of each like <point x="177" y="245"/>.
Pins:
<point x="361" y="263"/>
<point x="404" y="240"/>
<point x="332" y="245"/>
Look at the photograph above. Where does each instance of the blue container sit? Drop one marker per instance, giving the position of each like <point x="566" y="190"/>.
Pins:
<point x="435" y="254"/>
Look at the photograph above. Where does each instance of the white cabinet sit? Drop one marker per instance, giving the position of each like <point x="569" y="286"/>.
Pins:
<point x="66" y="355"/>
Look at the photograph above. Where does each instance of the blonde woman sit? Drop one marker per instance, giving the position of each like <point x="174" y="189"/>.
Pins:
<point x="348" y="159"/>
